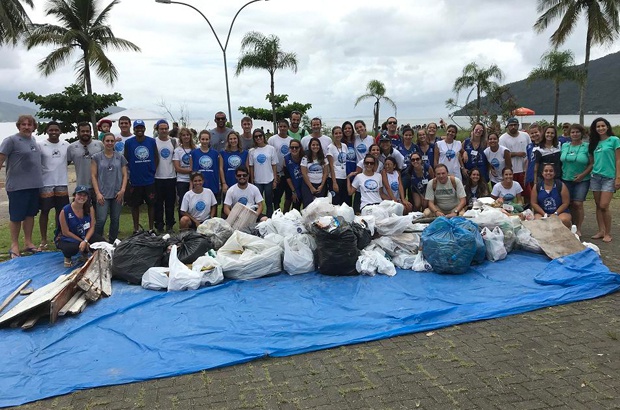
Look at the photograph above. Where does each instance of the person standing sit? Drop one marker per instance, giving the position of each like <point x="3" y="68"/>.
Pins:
<point x="391" y="132"/>
<point x="142" y="159"/>
<point x="292" y="172"/>
<point x="109" y="170"/>
<point x="219" y="133"/>
<point x="80" y="153"/>
<point x="206" y="160"/>
<point x="262" y="160"/>
<point x="516" y="142"/>
<point x="245" y="139"/>
<point x="23" y="181"/>
<point x="280" y="143"/>
<point x="182" y="160"/>
<point x="231" y="158"/>
<point x="473" y="152"/>
<point x="316" y="125"/>
<point x="314" y="169"/>
<point x="55" y="192"/>
<point x="165" y="178"/>
<point x="295" y="131"/>
<point x="124" y="123"/>
<point x="447" y="152"/>
<point x="337" y="157"/>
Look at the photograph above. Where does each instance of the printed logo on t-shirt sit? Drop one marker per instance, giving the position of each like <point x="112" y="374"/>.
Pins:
<point x="394" y="185"/>
<point x="371" y="185"/>
<point x="205" y="162"/>
<point x="243" y="200"/>
<point x="234" y="161"/>
<point x="200" y="206"/>
<point x="361" y="148"/>
<point x="185" y="159"/>
<point x="261" y="158"/>
<point x="549" y="203"/>
<point x="351" y="154"/>
<point x="342" y="157"/>
<point x="509" y="197"/>
<point x="315" y="168"/>
<point x="450" y="154"/>
<point x="56" y="153"/>
<point x="495" y="163"/>
<point x="119" y="146"/>
<point x="284" y="149"/>
<point x="165" y="153"/>
<point x="141" y="152"/>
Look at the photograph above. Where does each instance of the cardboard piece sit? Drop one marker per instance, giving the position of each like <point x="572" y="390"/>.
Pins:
<point x="555" y="239"/>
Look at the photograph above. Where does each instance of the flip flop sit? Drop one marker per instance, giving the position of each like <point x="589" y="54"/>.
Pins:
<point x="14" y="255"/>
<point x="31" y="249"/>
<point x="43" y="247"/>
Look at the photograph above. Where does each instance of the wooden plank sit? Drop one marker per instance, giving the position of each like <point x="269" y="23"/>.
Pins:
<point x="70" y="303"/>
<point x="555" y="239"/>
<point x="29" y="323"/>
<point x="62" y="297"/>
<point x="105" y="270"/>
<point x="241" y="216"/>
<point x="78" y="306"/>
<point x="13" y="295"/>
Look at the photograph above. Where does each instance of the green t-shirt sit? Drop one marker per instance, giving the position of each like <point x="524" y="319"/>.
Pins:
<point x="605" y="157"/>
<point x="574" y="160"/>
<point x="298" y="135"/>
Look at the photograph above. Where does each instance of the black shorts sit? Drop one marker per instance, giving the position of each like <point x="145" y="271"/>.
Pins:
<point x="23" y="203"/>
<point x="141" y="194"/>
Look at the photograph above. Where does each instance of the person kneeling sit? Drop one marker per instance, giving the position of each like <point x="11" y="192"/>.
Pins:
<point x="551" y="197"/>
<point x="198" y="205"/>
<point x="445" y="194"/>
<point x="244" y="192"/>
<point x="77" y="229"/>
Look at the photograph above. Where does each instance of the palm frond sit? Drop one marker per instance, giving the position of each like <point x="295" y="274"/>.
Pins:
<point x="54" y="60"/>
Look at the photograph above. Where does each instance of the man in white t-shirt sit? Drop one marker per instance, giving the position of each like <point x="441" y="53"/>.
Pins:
<point x="445" y="194"/>
<point x="55" y="192"/>
<point x="516" y="142"/>
<point x="316" y="125"/>
<point x="124" y="123"/>
<point x="244" y="193"/>
<point x="280" y="143"/>
<point x="165" y="178"/>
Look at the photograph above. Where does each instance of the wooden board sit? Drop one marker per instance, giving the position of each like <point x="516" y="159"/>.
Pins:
<point x="13" y="295"/>
<point x="555" y="239"/>
<point x="66" y="293"/>
<point x="241" y="217"/>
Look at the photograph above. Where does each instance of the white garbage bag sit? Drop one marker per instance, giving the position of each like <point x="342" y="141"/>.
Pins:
<point x="266" y="227"/>
<point x="404" y="260"/>
<point x="245" y="257"/>
<point x="275" y="238"/>
<point x="318" y="208"/>
<point x="346" y="212"/>
<point x="218" y="231"/>
<point x="527" y="242"/>
<point x="210" y="269"/>
<point x="375" y="211"/>
<point x="494" y="242"/>
<point x="593" y="247"/>
<point x="286" y="225"/>
<point x="420" y="264"/>
<point x="392" y="207"/>
<point x="181" y="277"/>
<point x="372" y="260"/>
<point x="393" y="225"/>
<point x="299" y="254"/>
<point x="156" y="278"/>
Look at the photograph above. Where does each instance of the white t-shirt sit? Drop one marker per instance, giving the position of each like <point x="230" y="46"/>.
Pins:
<point x="315" y="169"/>
<point x="250" y="196"/>
<point x="360" y="165"/>
<point x="508" y="194"/>
<point x="362" y="146"/>
<point x="339" y="156"/>
<point x="516" y="144"/>
<point x="369" y="188"/>
<point x="54" y="163"/>
<point x="262" y="159"/>
<point x="183" y="156"/>
<point x="199" y="205"/>
<point x="281" y="146"/>
<point x="165" y="167"/>
<point x="496" y="159"/>
<point x="394" y="185"/>
<point x="449" y="156"/>
<point x="324" y="139"/>
<point x="119" y="146"/>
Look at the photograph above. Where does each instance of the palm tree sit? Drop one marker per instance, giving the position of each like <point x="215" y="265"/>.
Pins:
<point x="14" y="21"/>
<point x="603" y="26"/>
<point x="557" y="66"/>
<point x="480" y="79"/>
<point x="262" y="52"/>
<point x="83" y="29"/>
<point x="375" y="89"/>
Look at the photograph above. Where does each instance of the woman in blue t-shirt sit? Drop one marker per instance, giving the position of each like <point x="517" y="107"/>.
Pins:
<point x="473" y="152"/>
<point x="292" y="172"/>
<point x="426" y="148"/>
<point x="231" y="157"/>
<point x="206" y="161"/>
<point x="550" y="196"/>
<point x="421" y="174"/>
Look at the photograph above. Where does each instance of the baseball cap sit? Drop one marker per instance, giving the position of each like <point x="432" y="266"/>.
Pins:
<point x="104" y="121"/>
<point x="385" y="138"/>
<point x="512" y="120"/>
<point x="80" y="189"/>
<point x="159" y="122"/>
<point x="139" y="123"/>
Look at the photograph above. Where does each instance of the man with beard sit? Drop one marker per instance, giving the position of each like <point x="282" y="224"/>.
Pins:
<point x="392" y="132"/>
<point x="295" y="131"/>
<point x="245" y="193"/>
<point x="516" y="142"/>
<point x="316" y="125"/>
<point x="220" y="132"/>
<point x="80" y="153"/>
<point x="142" y="160"/>
<point x="55" y="192"/>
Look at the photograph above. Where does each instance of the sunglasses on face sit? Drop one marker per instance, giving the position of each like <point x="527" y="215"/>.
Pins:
<point x="294" y="147"/>
<point x="391" y="122"/>
<point x="242" y="175"/>
<point x="415" y="159"/>
<point x="259" y="136"/>
<point x="220" y="119"/>
<point x="369" y="163"/>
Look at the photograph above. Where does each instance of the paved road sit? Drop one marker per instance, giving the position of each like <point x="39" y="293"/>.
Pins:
<point x="560" y="357"/>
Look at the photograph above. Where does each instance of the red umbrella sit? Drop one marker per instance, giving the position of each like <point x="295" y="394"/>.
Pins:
<point x="522" y="111"/>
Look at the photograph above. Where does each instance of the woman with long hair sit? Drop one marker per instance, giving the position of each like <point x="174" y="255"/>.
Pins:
<point x="473" y="152"/>
<point x="426" y="148"/>
<point x="407" y="148"/>
<point x="206" y="161"/>
<point x="292" y="172"/>
<point x="348" y="138"/>
<point x="498" y="157"/>
<point x="314" y="169"/>
<point x="547" y="152"/>
<point x="508" y="190"/>
<point x="604" y="148"/>
<point x="550" y="197"/>
<point x="262" y="160"/>
<point x="337" y="157"/>
<point x="421" y="174"/>
<point x="182" y="161"/>
<point x="447" y="152"/>
<point x="231" y="157"/>
<point x="577" y="164"/>
<point x="393" y="184"/>
<point x="475" y="186"/>
<point x="368" y="183"/>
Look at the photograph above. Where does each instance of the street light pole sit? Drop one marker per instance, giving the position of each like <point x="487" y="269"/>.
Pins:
<point x="222" y="47"/>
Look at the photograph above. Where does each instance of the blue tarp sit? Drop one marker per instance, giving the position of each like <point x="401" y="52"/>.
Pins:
<point x="138" y="335"/>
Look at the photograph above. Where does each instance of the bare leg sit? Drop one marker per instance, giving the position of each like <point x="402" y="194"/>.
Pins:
<point x="14" y="228"/>
<point x="599" y="216"/>
<point x="28" y="225"/>
<point x="151" y="213"/>
<point x="577" y="214"/>
<point x="287" y="205"/>
<point x="605" y="200"/>
<point x="43" y="221"/>
<point x="135" y="216"/>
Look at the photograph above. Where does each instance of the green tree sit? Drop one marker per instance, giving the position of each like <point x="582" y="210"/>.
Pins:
<point x="375" y="89"/>
<point x="67" y="107"/>
<point x="480" y="79"/>
<point x="603" y="21"/>
<point x="84" y="28"/>
<point x="557" y="66"/>
<point x="14" y="20"/>
<point x="283" y="111"/>
<point x="262" y="52"/>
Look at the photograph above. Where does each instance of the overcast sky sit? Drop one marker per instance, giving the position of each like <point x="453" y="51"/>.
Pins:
<point x="417" y="48"/>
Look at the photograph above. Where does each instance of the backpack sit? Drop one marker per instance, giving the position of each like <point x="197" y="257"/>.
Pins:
<point x="452" y="180"/>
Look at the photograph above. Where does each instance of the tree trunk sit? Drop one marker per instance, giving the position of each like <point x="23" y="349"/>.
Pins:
<point x="273" y="103"/>
<point x="478" y="104"/>
<point x="556" y="104"/>
<point x="375" y="113"/>
<point x="582" y="94"/>
<point x="89" y="92"/>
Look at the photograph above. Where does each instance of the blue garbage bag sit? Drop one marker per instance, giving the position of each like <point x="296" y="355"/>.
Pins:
<point x="480" y="256"/>
<point x="448" y="247"/>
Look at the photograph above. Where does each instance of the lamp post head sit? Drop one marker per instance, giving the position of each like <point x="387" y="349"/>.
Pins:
<point x="163" y="1"/>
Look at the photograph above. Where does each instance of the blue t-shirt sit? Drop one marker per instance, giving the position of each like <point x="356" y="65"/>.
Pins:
<point x="208" y="164"/>
<point x="550" y="201"/>
<point x="292" y="170"/>
<point x="531" y="158"/>
<point x="141" y="160"/>
<point x="232" y="160"/>
<point x="476" y="159"/>
<point x="351" y="159"/>
<point x="407" y="152"/>
<point x="418" y="184"/>
<point x="77" y="226"/>
<point x="428" y="157"/>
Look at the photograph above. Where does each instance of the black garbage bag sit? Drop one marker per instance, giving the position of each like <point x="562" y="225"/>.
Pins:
<point x="135" y="255"/>
<point x="336" y="251"/>
<point x="191" y="245"/>
<point x="362" y="234"/>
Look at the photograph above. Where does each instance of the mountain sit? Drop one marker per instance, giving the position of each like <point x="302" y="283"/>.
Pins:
<point x="601" y="96"/>
<point x="10" y="112"/>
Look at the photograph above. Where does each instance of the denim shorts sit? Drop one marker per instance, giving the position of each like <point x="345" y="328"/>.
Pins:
<point x="577" y="190"/>
<point x="23" y="203"/>
<point x="600" y="183"/>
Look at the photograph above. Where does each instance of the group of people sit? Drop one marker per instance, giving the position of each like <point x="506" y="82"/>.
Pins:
<point x="437" y="175"/>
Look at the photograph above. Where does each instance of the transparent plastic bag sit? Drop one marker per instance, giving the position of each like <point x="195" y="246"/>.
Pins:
<point x="181" y="277"/>
<point x="494" y="242"/>
<point x="299" y="254"/>
<point x="210" y="270"/>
